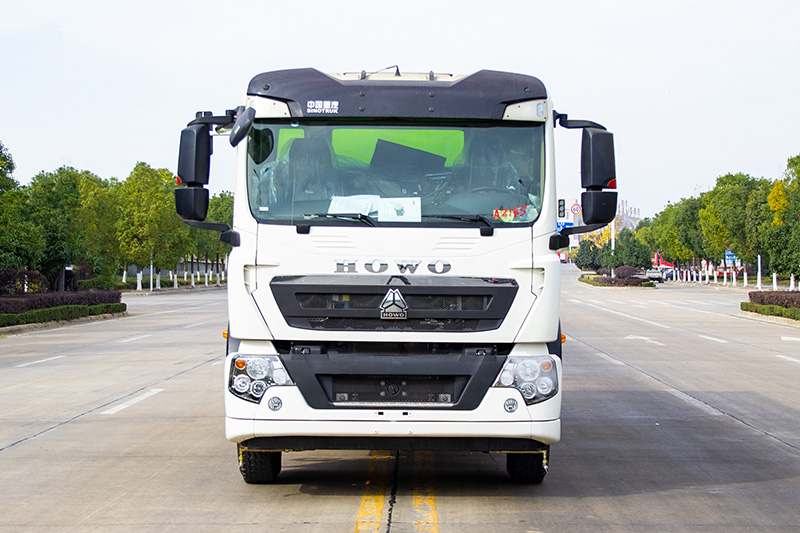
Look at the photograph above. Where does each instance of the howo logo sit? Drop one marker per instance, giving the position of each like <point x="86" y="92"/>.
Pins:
<point x="394" y="306"/>
<point x="378" y="266"/>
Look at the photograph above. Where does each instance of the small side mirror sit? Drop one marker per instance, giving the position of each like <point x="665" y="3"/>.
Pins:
<point x="242" y="126"/>
<point x="599" y="207"/>
<point x="191" y="203"/>
<point x="194" y="159"/>
<point x="598" y="169"/>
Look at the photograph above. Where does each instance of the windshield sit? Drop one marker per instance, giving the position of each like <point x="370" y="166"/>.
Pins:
<point x="413" y="173"/>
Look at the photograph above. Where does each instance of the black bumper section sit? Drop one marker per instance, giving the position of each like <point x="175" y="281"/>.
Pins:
<point x="464" y="444"/>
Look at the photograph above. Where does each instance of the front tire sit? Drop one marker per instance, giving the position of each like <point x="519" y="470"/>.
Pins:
<point x="527" y="468"/>
<point x="259" y="468"/>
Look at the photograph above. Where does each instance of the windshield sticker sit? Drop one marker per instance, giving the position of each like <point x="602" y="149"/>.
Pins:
<point x="509" y="215"/>
<point x="325" y="107"/>
<point x="400" y="210"/>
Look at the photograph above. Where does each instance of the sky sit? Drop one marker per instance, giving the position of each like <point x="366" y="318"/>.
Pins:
<point x="692" y="90"/>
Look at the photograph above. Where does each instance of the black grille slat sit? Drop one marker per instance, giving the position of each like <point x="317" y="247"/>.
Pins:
<point x="376" y="324"/>
<point x="433" y="302"/>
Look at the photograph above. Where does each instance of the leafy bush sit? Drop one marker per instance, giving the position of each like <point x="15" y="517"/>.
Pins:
<point x="771" y="310"/>
<point x="625" y="271"/>
<point x="21" y="303"/>
<point x="64" y="312"/>
<point x="605" y="281"/>
<point x="781" y="298"/>
<point x="102" y="309"/>
<point x="14" y="281"/>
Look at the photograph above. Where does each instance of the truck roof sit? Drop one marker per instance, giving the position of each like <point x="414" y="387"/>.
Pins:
<point x="482" y="95"/>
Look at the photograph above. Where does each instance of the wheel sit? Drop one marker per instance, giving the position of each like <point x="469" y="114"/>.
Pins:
<point x="259" y="467"/>
<point x="529" y="468"/>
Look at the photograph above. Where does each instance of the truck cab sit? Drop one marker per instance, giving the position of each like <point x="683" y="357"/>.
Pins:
<point x="394" y="279"/>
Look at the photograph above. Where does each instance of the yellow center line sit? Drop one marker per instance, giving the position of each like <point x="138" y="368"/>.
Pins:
<point x="370" y="514"/>
<point x="426" y="519"/>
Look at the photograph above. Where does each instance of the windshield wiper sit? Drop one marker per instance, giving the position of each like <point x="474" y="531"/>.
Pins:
<point x="469" y="218"/>
<point x="366" y="219"/>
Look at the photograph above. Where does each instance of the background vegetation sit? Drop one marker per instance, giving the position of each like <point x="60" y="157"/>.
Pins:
<point x="73" y="217"/>
<point x="750" y="216"/>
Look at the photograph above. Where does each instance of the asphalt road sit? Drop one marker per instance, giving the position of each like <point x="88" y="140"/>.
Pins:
<point x="678" y="415"/>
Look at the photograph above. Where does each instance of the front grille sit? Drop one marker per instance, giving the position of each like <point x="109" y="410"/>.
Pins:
<point x="357" y="302"/>
<point x="377" y="390"/>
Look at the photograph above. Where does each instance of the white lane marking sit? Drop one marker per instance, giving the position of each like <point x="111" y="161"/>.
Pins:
<point x="609" y="359"/>
<point x="790" y="338"/>
<point x="616" y="302"/>
<point x="709" y="410"/>
<point x="195" y="325"/>
<point x="698" y="302"/>
<point x="132" y="401"/>
<point x="628" y="316"/>
<point x="215" y="363"/>
<point x="39" y="361"/>
<point x="645" y="339"/>
<point x="697" y="310"/>
<point x="573" y="300"/>
<point x="712" y="339"/>
<point x="789" y="358"/>
<point x="136" y="338"/>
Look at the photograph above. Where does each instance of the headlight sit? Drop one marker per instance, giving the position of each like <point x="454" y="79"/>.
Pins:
<point x="534" y="377"/>
<point x="252" y="375"/>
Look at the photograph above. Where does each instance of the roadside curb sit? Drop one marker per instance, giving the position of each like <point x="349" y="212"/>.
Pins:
<point x="771" y="319"/>
<point x="170" y="290"/>
<point x="23" y="328"/>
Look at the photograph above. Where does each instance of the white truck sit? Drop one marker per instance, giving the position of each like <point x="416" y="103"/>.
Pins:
<point x="394" y="280"/>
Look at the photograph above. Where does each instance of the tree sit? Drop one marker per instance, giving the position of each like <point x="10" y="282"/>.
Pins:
<point x="631" y="251"/>
<point x="783" y="238"/>
<point x="22" y="242"/>
<point x="687" y="229"/>
<point x="148" y="228"/>
<point x="97" y="216"/>
<point x="588" y="256"/>
<point x="206" y="243"/>
<point x="7" y="166"/>
<point x="724" y="217"/>
<point x="53" y="200"/>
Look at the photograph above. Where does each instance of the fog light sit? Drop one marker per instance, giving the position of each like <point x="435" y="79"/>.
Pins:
<point x="274" y="403"/>
<point x="511" y="405"/>
<point x="506" y="378"/>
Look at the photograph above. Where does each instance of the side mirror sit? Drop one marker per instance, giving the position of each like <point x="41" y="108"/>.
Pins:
<point x="242" y="126"/>
<point x="598" y="170"/>
<point x="599" y="207"/>
<point x="191" y="203"/>
<point x="194" y="159"/>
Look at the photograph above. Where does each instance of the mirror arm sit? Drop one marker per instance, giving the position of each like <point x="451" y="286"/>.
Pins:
<point x="561" y="240"/>
<point x="207" y="117"/>
<point x="561" y="119"/>
<point x="227" y="235"/>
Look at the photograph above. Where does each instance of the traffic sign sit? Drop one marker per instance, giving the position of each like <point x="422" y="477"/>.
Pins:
<point x="575" y="209"/>
<point x="562" y="225"/>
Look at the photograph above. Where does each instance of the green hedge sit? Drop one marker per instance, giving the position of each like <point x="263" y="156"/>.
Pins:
<point x="604" y="281"/>
<point x="64" y="312"/>
<point x="772" y="310"/>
